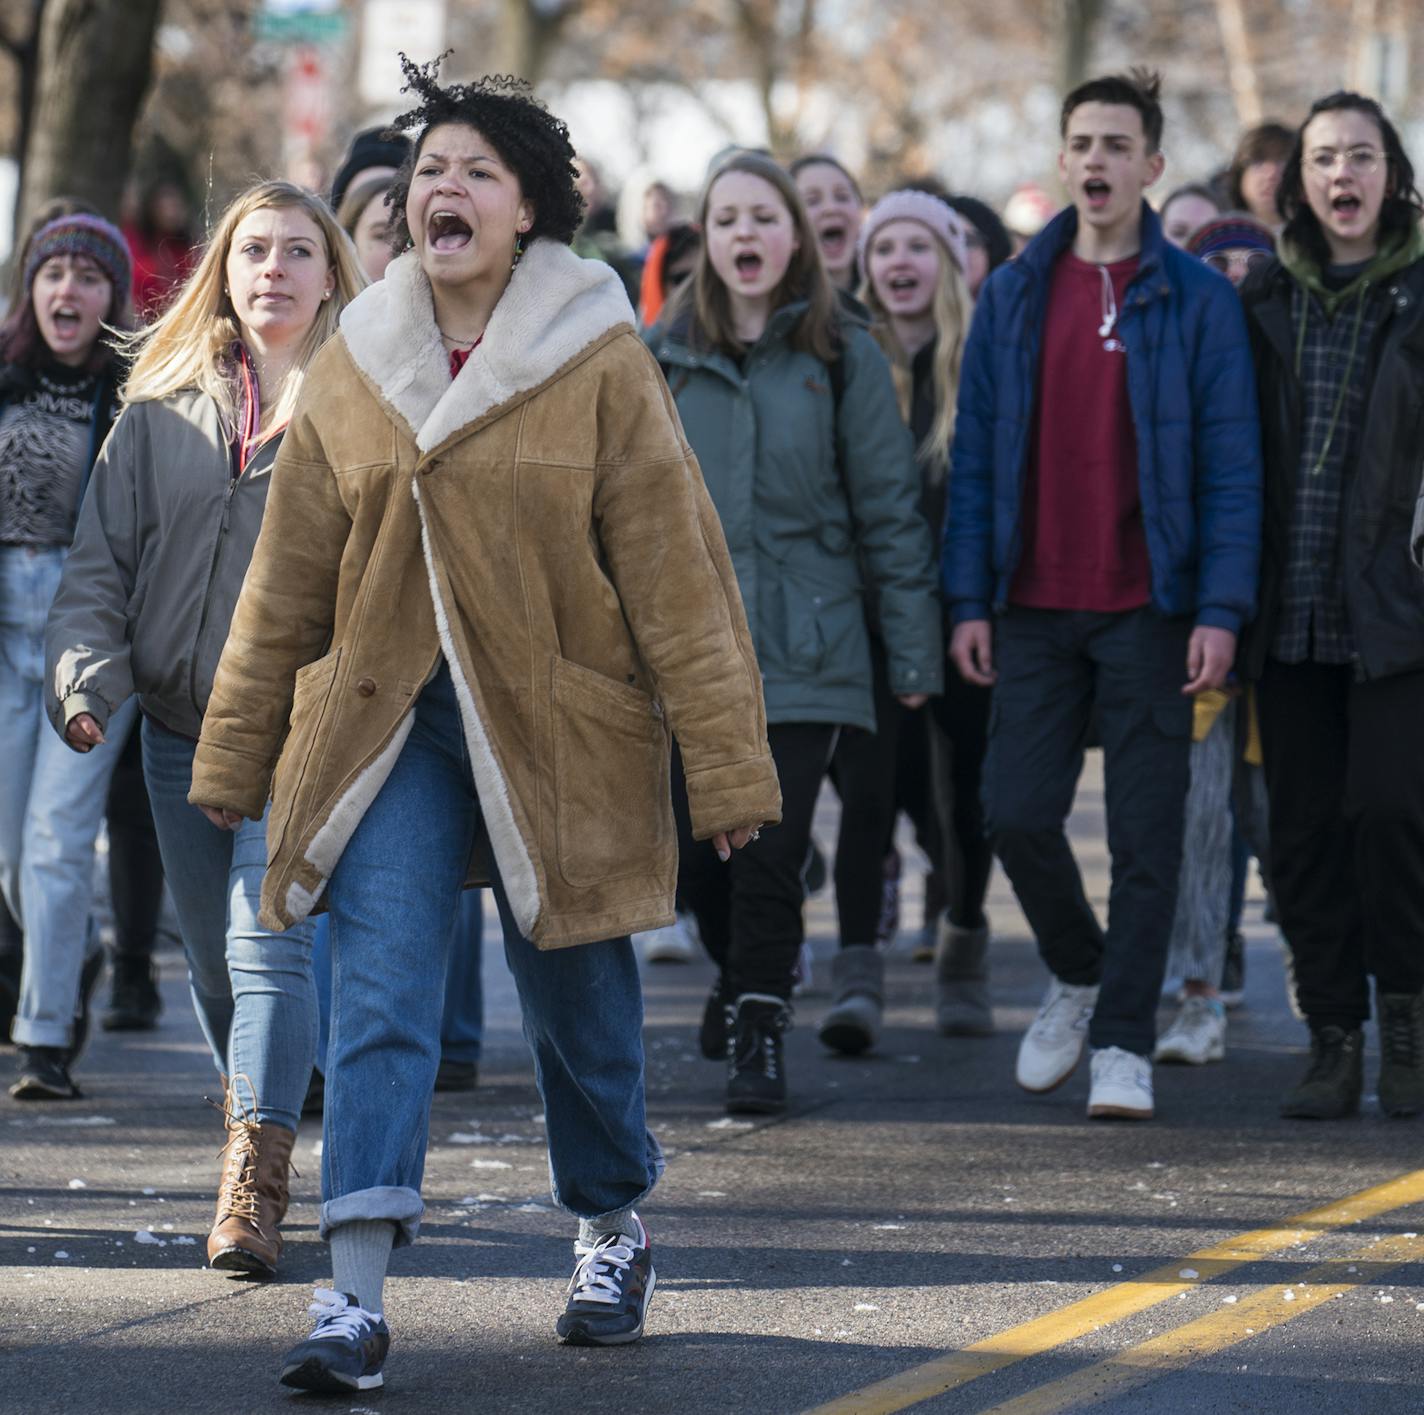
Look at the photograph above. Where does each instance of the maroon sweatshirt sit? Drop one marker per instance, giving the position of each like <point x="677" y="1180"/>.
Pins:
<point x="1083" y="542"/>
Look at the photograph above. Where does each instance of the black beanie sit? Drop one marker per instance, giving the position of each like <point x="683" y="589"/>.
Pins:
<point x="985" y="221"/>
<point x="371" y="148"/>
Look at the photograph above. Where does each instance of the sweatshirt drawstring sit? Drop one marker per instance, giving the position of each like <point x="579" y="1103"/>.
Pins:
<point x="1344" y="377"/>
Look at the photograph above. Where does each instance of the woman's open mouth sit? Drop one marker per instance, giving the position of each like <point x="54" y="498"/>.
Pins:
<point x="748" y="266"/>
<point x="66" y="320"/>
<point x="903" y="284"/>
<point x="1347" y="204"/>
<point x="448" y="232"/>
<point x="834" y="237"/>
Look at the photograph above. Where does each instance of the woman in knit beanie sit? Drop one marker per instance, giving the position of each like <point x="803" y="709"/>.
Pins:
<point x="57" y="401"/>
<point x="1234" y="244"/>
<point x="913" y="250"/>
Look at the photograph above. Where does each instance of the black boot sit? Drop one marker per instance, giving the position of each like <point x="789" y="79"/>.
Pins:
<point x="1401" y="1079"/>
<point x="457" y="1075"/>
<point x="1334" y="1079"/>
<point x="756" y="1077"/>
<point x="134" y="1002"/>
<point x="88" y="981"/>
<point x="716" y="1028"/>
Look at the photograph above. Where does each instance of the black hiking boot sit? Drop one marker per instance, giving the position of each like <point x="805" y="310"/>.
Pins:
<point x="134" y="1003"/>
<point x="1334" y="1079"/>
<point x="1401" y="1078"/>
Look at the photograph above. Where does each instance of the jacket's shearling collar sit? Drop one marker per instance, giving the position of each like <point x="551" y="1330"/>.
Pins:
<point x="555" y="306"/>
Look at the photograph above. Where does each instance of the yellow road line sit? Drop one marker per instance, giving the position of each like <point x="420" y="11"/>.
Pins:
<point x="1216" y="1331"/>
<point x="1078" y="1319"/>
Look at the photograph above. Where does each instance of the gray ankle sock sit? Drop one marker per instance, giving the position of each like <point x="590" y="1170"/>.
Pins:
<point x="622" y="1221"/>
<point x="360" y="1252"/>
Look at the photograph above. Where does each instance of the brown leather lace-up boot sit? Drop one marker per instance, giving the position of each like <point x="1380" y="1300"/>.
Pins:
<point x="252" y="1195"/>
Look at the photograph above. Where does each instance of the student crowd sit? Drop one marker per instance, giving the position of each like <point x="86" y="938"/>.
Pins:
<point x="391" y="554"/>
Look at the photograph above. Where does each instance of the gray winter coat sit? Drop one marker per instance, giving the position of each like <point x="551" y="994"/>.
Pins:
<point x="148" y="592"/>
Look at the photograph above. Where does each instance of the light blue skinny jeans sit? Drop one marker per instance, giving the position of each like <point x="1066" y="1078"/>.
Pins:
<point x="252" y="988"/>
<point x="52" y="799"/>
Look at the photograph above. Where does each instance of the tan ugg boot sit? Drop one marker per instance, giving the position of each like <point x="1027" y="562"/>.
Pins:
<point x="252" y="1194"/>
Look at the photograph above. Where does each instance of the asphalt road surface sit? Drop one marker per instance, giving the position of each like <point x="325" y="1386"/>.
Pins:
<point x="915" y="1235"/>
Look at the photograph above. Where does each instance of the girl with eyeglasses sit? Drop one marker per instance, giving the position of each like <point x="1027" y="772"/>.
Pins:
<point x="1338" y="646"/>
<point x="1233" y="245"/>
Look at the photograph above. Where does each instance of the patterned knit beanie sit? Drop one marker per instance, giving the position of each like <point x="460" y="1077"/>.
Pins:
<point x="84" y="235"/>
<point x="938" y="217"/>
<point x="1236" y="231"/>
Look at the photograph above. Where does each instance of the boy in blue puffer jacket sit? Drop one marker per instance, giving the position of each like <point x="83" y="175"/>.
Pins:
<point x="1100" y="558"/>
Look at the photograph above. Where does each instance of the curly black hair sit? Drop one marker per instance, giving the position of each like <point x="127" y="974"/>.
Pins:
<point x="530" y="141"/>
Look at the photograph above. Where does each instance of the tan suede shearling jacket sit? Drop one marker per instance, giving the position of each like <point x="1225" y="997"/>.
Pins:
<point x="541" y="522"/>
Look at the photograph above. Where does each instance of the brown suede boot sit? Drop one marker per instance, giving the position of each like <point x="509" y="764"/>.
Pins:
<point x="252" y="1195"/>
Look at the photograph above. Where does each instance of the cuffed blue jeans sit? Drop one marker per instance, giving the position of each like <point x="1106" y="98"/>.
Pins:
<point x="252" y="988"/>
<point x="51" y="802"/>
<point x="392" y="901"/>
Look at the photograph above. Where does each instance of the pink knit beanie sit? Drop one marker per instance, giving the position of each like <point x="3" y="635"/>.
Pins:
<point x="936" y="216"/>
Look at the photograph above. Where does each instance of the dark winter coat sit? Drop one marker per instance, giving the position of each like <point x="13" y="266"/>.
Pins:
<point x="1383" y="514"/>
<point x="1193" y="403"/>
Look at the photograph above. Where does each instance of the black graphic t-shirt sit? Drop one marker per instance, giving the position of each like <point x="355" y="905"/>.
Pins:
<point x="46" y="437"/>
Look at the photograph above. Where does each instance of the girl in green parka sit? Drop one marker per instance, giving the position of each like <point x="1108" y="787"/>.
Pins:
<point x="790" y="407"/>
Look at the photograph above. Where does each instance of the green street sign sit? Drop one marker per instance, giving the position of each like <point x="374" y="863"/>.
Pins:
<point x="301" y="27"/>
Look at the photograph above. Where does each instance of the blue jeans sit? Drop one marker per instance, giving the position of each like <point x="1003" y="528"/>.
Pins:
<point x="51" y="803"/>
<point x="462" y="1025"/>
<point x="392" y="901"/>
<point x="252" y="988"/>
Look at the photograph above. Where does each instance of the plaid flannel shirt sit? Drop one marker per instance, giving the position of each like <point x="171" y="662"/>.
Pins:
<point x="1313" y="621"/>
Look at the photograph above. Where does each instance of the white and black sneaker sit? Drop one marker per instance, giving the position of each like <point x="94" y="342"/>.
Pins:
<point x="345" y="1351"/>
<point x="610" y="1291"/>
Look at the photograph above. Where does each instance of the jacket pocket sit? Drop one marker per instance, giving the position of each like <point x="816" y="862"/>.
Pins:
<point x="613" y="812"/>
<point x="305" y="741"/>
<point x="825" y="627"/>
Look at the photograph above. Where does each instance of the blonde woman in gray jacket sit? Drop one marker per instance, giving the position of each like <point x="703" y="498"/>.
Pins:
<point x="163" y="545"/>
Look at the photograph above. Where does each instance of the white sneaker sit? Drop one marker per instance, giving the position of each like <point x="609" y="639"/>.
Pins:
<point x="1053" y="1043"/>
<point x="674" y="943"/>
<point x="1197" y="1034"/>
<point x="1122" y="1085"/>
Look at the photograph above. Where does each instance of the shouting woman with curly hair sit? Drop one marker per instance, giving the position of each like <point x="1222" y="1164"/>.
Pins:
<point x="489" y="585"/>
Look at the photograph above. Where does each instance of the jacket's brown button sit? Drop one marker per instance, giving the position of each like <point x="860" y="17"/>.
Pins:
<point x="366" y="687"/>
